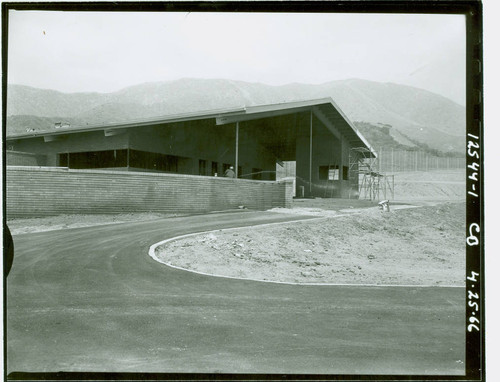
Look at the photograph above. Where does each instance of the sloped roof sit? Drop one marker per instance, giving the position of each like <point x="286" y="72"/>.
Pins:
<point x="325" y="108"/>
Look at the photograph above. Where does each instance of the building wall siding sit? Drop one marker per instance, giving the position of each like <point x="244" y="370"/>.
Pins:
<point x="72" y="143"/>
<point x="204" y="140"/>
<point x="34" y="191"/>
<point x="327" y="150"/>
<point x="190" y="141"/>
<point x="17" y="158"/>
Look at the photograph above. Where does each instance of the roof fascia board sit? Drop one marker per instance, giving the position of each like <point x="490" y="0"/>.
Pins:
<point x="264" y="111"/>
<point x="226" y="119"/>
<point x="287" y="105"/>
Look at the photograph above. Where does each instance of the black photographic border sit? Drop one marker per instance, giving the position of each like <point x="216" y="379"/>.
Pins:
<point x="475" y="284"/>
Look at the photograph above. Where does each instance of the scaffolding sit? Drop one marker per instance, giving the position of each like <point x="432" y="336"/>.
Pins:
<point x="366" y="179"/>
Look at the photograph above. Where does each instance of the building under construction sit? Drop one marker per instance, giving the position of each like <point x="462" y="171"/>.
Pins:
<point x="256" y="140"/>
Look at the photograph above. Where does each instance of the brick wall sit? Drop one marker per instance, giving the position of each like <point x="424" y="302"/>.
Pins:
<point x="42" y="191"/>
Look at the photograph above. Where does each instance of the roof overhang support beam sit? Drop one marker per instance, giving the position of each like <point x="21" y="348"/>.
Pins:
<point x="52" y="138"/>
<point x="113" y="132"/>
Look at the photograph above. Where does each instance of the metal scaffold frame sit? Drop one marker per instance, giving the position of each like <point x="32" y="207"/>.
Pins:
<point x="367" y="182"/>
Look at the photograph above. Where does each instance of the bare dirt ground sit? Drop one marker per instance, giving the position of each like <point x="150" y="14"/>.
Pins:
<point x="418" y="246"/>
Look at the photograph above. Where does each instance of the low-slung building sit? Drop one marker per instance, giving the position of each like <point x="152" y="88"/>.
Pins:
<point x="314" y="133"/>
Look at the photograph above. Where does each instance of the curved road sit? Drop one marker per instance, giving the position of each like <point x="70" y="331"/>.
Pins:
<point x="91" y="299"/>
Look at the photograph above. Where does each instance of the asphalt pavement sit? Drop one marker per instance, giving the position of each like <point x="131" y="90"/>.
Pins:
<point x="92" y="300"/>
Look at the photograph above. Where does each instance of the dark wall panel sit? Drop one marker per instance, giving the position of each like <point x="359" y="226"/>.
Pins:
<point x="16" y="158"/>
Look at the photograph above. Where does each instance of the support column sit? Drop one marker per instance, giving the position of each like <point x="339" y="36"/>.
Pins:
<point x="304" y="174"/>
<point x="237" y="139"/>
<point x="344" y="159"/>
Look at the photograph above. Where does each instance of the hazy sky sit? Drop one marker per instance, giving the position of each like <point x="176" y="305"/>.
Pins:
<point x="104" y="52"/>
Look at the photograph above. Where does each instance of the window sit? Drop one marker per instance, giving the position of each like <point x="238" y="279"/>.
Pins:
<point x="202" y="167"/>
<point x="333" y="174"/>
<point x="328" y="172"/>
<point x="118" y="158"/>
<point x="153" y="161"/>
<point x="215" y="166"/>
<point x="95" y="159"/>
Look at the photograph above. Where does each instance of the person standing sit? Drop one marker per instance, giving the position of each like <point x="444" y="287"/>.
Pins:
<point x="229" y="173"/>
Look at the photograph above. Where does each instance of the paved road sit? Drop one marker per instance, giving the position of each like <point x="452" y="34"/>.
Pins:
<point x="91" y="299"/>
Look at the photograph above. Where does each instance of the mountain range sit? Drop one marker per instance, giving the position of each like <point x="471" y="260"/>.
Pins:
<point x="414" y="116"/>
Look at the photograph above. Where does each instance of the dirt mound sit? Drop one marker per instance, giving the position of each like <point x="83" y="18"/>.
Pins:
<point x="419" y="246"/>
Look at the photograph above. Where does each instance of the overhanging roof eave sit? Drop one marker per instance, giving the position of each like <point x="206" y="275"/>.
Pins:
<point x="287" y="105"/>
<point x="359" y="136"/>
<point x="272" y="110"/>
<point x="222" y="116"/>
<point x="135" y="123"/>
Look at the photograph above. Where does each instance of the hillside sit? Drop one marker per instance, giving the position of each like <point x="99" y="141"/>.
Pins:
<point x="384" y="135"/>
<point x="413" y="113"/>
